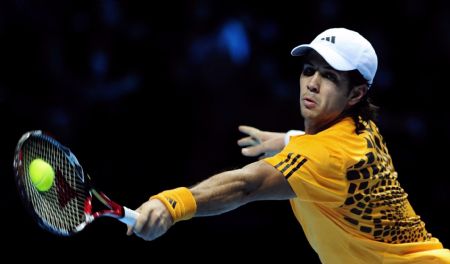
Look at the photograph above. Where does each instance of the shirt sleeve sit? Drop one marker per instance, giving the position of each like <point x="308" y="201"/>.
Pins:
<point x="314" y="169"/>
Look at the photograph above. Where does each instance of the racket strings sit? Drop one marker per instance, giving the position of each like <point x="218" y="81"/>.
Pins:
<point x="61" y="209"/>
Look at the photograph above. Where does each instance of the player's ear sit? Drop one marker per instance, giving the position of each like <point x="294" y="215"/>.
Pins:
<point x="356" y="94"/>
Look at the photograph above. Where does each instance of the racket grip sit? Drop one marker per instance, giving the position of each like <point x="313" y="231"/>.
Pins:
<point x="129" y="216"/>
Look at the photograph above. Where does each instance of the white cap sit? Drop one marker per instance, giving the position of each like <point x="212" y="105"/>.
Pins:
<point x="344" y="50"/>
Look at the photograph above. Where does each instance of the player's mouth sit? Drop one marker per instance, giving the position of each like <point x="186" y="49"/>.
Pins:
<point x="309" y="102"/>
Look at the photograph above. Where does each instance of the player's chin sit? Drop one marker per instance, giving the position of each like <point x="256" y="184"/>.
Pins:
<point x="307" y="112"/>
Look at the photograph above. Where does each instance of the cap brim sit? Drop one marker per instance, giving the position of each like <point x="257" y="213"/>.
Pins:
<point x="330" y="56"/>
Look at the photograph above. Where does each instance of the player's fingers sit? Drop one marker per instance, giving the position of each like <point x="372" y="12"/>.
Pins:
<point x="143" y="218"/>
<point x="131" y="227"/>
<point x="247" y="141"/>
<point x="253" y="151"/>
<point x="251" y="131"/>
<point x="130" y="231"/>
<point x="153" y="221"/>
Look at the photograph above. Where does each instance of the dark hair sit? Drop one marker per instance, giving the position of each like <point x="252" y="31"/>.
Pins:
<point x="364" y="110"/>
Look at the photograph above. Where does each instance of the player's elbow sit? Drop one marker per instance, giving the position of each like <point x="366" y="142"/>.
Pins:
<point x="249" y="184"/>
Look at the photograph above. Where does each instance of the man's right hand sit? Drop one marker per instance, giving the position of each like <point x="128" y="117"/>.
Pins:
<point x="154" y="220"/>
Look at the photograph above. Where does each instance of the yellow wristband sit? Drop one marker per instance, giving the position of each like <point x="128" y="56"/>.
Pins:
<point x="180" y="202"/>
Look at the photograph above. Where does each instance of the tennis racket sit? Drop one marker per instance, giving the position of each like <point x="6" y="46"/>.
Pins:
<point x="67" y="207"/>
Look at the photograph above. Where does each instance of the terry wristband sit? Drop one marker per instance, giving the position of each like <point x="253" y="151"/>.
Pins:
<point x="180" y="202"/>
<point x="291" y="133"/>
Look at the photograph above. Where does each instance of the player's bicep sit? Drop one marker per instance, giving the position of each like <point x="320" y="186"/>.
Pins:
<point x="268" y="183"/>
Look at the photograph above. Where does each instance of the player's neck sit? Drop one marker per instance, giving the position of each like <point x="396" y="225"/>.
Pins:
<point x="312" y="127"/>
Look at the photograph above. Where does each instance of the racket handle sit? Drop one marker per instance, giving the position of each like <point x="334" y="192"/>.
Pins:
<point x="129" y="216"/>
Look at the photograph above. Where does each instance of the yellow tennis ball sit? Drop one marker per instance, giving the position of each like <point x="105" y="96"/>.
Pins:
<point x="41" y="174"/>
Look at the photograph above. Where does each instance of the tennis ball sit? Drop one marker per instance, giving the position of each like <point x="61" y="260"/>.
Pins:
<point x="41" y="174"/>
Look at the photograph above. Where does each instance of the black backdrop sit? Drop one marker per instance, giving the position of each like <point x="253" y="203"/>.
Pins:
<point x="149" y="97"/>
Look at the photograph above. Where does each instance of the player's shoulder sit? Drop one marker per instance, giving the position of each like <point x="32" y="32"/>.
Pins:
<point x="339" y="139"/>
<point x="315" y="147"/>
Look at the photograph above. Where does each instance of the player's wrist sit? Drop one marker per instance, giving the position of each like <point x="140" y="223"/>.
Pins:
<point x="290" y="133"/>
<point x="179" y="202"/>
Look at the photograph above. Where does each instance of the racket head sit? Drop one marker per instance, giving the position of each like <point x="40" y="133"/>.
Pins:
<point x="61" y="209"/>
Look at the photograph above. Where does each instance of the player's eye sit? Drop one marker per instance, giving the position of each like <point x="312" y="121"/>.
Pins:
<point x="330" y="76"/>
<point x="308" y="70"/>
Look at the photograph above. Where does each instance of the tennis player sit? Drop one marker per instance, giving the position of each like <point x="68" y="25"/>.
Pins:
<point x="338" y="176"/>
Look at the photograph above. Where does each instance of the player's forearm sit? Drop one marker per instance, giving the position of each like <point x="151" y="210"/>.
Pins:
<point x="229" y="190"/>
<point x="226" y="191"/>
<point x="223" y="192"/>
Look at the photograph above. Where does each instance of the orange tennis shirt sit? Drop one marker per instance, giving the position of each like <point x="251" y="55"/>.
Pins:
<point x="349" y="202"/>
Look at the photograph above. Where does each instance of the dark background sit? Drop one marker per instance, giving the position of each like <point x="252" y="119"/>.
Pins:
<point x="149" y="97"/>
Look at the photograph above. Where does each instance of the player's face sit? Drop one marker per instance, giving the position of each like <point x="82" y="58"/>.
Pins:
<point x="323" y="93"/>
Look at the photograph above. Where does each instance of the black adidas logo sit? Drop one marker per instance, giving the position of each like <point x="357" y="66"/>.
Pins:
<point x="292" y="162"/>
<point x="173" y="203"/>
<point x="330" y="39"/>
